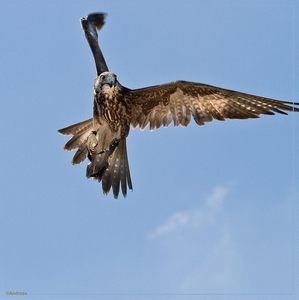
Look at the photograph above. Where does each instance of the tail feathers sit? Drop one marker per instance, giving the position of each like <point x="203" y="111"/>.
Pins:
<point x="112" y="169"/>
<point x="98" y="165"/>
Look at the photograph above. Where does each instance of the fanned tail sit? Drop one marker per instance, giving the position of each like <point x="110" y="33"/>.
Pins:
<point x="112" y="169"/>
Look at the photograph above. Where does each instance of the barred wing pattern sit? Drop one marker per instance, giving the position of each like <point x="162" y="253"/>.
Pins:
<point x="177" y="101"/>
<point x="80" y="131"/>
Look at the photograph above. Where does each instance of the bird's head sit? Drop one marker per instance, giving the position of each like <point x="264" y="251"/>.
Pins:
<point x="105" y="79"/>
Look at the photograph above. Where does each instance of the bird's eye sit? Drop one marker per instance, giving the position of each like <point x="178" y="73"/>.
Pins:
<point x="103" y="77"/>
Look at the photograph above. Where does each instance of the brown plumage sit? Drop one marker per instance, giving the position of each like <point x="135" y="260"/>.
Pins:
<point x="117" y="107"/>
<point x="102" y="139"/>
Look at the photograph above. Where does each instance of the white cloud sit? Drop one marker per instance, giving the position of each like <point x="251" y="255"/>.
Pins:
<point x="210" y="250"/>
<point x="217" y="197"/>
<point x="174" y="221"/>
<point x="197" y="248"/>
<point x="193" y="217"/>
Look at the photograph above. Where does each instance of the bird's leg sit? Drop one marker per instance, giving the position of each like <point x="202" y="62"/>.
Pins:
<point x="92" y="143"/>
<point x="98" y="162"/>
<point x="108" y="151"/>
<point x="111" y="147"/>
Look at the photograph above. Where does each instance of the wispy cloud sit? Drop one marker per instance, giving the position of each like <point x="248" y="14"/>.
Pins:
<point x="217" y="197"/>
<point x="208" y="249"/>
<point x="173" y="222"/>
<point x="197" y="248"/>
<point x="202" y="215"/>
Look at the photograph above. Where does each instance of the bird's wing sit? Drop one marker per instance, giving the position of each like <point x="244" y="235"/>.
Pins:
<point x="177" y="101"/>
<point x="80" y="131"/>
<point x="76" y="128"/>
<point x="112" y="170"/>
<point x="90" y="25"/>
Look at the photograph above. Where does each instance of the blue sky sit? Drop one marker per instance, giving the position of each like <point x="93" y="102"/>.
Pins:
<point x="214" y="210"/>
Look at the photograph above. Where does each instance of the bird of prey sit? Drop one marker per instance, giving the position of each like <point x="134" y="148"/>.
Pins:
<point x="102" y="138"/>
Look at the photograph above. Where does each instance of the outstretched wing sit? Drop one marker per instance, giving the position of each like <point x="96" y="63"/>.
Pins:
<point x="80" y="131"/>
<point x="177" y="101"/>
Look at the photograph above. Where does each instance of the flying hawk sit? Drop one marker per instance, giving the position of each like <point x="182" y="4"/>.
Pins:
<point x="102" y="139"/>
